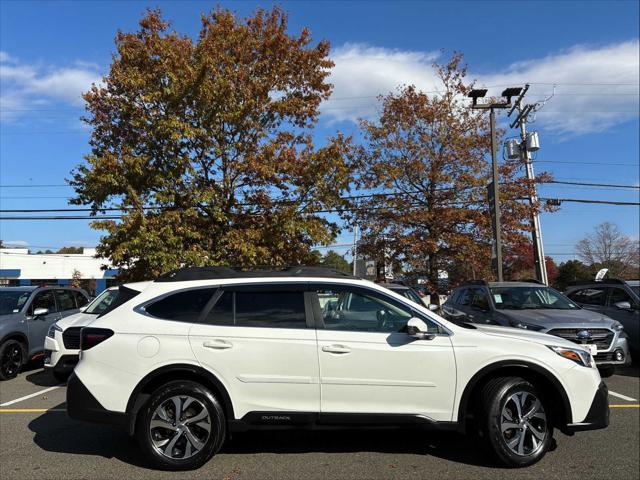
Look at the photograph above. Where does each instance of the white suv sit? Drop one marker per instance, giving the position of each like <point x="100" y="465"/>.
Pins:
<point x="202" y="352"/>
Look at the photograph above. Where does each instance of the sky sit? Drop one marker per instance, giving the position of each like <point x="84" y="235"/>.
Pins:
<point x="50" y="52"/>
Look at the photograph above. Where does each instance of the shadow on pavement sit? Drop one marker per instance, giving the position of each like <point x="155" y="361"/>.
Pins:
<point x="630" y="371"/>
<point x="445" y="445"/>
<point x="42" y="378"/>
<point x="56" y="432"/>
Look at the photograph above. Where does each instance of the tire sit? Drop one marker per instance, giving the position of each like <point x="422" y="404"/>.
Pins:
<point x="174" y="445"/>
<point x="532" y="433"/>
<point x="12" y="357"/>
<point x="607" y="372"/>
<point x="60" y="376"/>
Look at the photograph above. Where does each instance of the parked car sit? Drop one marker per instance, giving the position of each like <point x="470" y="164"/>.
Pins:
<point x="618" y="299"/>
<point x="202" y="352"/>
<point x="62" y="344"/>
<point x="26" y="313"/>
<point x="405" y="291"/>
<point x="534" y="306"/>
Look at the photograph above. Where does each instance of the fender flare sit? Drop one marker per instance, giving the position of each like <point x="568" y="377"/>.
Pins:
<point x="137" y="399"/>
<point x="505" y="364"/>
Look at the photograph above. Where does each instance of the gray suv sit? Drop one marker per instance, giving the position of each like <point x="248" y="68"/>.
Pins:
<point x="618" y="299"/>
<point x="26" y="313"/>
<point x="534" y="306"/>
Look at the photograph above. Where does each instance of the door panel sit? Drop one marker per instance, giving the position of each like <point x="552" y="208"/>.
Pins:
<point x="379" y="369"/>
<point x="38" y="326"/>
<point x="272" y="366"/>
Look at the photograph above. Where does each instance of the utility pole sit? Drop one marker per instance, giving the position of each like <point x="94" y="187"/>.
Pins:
<point x="536" y="232"/>
<point x="496" y="196"/>
<point x="355" y="248"/>
<point x="493" y="189"/>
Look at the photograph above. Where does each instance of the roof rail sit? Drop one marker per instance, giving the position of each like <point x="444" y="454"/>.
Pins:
<point x="533" y="280"/>
<point x="483" y="283"/>
<point x="615" y="281"/>
<point x="217" y="273"/>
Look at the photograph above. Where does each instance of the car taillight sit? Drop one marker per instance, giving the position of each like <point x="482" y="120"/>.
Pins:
<point x="90" y="337"/>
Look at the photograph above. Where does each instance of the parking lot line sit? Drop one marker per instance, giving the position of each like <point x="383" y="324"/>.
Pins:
<point x="626" y="405"/>
<point x="31" y="410"/>
<point x="623" y="397"/>
<point x="27" y="397"/>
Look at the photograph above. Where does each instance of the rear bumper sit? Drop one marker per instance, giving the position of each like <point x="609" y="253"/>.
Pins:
<point x="82" y="405"/>
<point x="598" y="415"/>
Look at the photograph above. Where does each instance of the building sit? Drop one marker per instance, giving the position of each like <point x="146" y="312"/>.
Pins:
<point x="19" y="267"/>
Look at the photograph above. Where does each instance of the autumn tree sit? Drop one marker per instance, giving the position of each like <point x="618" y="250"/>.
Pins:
<point x="206" y="144"/>
<point x="425" y="162"/>
<point x="70" y="250"/>
<point x="571" y="271"/>
<point x="519" y="262"/>
<point x="76" y="278"/>
<point x="607" y="247"/>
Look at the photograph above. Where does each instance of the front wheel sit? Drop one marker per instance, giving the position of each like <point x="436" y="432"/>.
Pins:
<point x="515" y="421"/>
<point x="11" y="359"/>
<point x="181" y="427"/>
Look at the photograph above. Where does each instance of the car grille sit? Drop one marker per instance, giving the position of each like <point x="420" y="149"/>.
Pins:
<point x="71" y="338"/>
<point x="601" y="337"/>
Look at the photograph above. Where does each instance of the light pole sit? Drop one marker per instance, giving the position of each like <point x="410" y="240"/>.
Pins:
<point x="493" y="189"/>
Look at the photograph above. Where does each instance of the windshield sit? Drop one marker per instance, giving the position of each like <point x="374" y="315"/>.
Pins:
<point x="101" y="302"/>
<point x="12" y="301"/>
<point x="636" y="289"/>
<point x="530" y="297"/>
<point x="411" y="295"/>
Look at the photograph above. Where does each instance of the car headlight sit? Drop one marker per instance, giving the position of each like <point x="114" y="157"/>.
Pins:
<point x="618" y="326"/>
<point x="527" y="326"/>
<point x="578" y="355"/>
<point x="52" y="330"/>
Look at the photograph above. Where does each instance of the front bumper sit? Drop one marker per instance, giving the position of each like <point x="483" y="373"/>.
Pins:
<point x="598" y="415"/>
<point x="63" y="364"/>
<point x="82" y="405"/>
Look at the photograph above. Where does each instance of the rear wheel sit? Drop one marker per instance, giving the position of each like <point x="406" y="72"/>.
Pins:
<point x="181" y="427"/>
<point x="11" y="359"/>
<point x="515" y="421"/>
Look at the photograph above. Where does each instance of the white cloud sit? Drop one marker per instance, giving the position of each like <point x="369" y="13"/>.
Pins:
<point x="363" y="72"/>
<point x="583" y="102"/>
<point x="26" y="87"/>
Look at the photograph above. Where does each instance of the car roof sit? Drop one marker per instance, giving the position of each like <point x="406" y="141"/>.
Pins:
<point x="26" y="288"/>
<point x="225" y="273"/>
<point x="394" y="286"/>
<point x="515" y="284"/>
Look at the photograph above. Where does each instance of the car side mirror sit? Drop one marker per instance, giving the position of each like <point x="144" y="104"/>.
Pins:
<point x="622" y="305"/>
<point x="418" y="329"/>
<point x="433" y="307"/>
<point x="82" y="309"/>
<point x="40" y="312"/>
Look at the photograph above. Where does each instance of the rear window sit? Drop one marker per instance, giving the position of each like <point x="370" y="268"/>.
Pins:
<point x="124" y="295"/>
<point x="184" y="306"/>
<point x="65" y="300"/>
<point x="81" y="300"/>
<point x="590" y="296"/>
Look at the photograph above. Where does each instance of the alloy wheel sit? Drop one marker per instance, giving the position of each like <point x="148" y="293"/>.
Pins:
<point x="523" y="423"/>
<point x="180" y="427"/>
<point x="11" y="360"/>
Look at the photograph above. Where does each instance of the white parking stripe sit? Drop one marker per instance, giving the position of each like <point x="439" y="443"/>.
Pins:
<point x="623" y="397"/>
<point x="27" y="397"/>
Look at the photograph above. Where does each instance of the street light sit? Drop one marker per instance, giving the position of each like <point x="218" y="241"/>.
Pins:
<point x="493" y="189"/>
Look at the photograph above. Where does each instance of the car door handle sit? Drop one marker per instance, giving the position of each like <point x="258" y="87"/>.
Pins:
<point x="217" y="344"/>
<point x="336" y="349"/>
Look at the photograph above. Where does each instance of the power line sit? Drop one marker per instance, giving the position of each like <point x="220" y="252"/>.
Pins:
<point x="608" y="185"/>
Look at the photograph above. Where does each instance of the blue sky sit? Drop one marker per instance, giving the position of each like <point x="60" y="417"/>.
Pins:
<point x="52" y="51"/>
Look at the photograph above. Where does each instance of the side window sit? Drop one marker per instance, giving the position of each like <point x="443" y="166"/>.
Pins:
<point x="81" y="300"/>
<point x="222" y="311"/>
<point x="43" y="300"/>
<point x="183" y="306"/>
<point x="65" y="300"/>
<point x="590" y="296"/>
<point x="619" y="295"/>
<point x="465" y="297"/>
<point x="361" y="311"/>
<point x="480" y="299"/>
<point x="268" y="309"/>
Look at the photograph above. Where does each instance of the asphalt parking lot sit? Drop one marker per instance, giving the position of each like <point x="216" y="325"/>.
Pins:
<point x="38" y="440"/>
